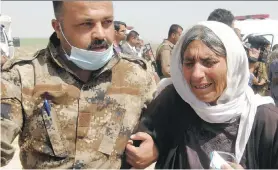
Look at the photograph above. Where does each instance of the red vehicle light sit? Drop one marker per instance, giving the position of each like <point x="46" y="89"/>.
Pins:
<point x="258" y="16"/>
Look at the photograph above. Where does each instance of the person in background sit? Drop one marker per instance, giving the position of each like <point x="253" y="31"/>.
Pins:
<point x="273" y="73"/>
<point x="253" y="55"/>
<point x="261" y="72"/>
<point x="223" y="16"/>
<point x="238" y="33"/>
<point x="140" y="47"/>
<point x="164" y="51"/>
<point x="132" y="40"/>
<point x="208" y="107"/>
<point x="273" y="55"/>
<point x="4" y="58"/>
<point x="148" y="55"/>
<point x="120" y="35"/>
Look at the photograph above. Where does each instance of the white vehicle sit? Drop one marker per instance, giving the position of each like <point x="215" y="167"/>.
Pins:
<point x="7" y="43"/>
<point x="258" y="25"/>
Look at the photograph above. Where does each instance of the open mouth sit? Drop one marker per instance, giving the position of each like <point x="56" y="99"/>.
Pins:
<point x="203" y="86"/>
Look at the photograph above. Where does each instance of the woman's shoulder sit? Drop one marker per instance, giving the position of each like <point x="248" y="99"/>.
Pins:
<point x="267" y="113"/>
<point x="266" y="121"/>
<point x="168" y="94"/>
<point x="171" y="98"/>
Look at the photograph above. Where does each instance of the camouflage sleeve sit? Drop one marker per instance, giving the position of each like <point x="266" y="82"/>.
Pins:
<point x="149" y="89"/>
<point x="165" y="60"/>
<point x="264" y="75"/>
<point x="11" y="113"/>
<point x="262" y="71"/>
<point x="151" y="86"/>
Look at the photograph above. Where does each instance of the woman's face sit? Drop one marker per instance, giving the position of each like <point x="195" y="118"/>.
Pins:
<point x="204" y="71"/>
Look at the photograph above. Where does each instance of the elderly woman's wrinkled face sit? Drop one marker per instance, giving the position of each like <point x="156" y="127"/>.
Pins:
<point x="204" y="71"/>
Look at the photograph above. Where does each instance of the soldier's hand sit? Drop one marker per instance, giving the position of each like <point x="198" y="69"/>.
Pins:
<point x="143" y="156"/>
<point x="262" y="82"/>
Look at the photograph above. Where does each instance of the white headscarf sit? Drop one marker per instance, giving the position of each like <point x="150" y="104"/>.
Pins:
<point x="238" y="99"/>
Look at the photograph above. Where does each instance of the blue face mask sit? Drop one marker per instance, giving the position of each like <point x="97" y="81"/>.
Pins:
<point x="88" y="60"/>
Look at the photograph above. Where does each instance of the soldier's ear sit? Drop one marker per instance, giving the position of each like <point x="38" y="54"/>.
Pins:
<point x="173" y="35"/>
<point x="56" y="26"/>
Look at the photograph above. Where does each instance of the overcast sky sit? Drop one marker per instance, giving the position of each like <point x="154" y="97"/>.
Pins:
<point x="150" y="18"/>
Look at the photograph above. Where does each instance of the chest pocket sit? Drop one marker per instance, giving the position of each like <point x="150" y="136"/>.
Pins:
<point x="32" y="98"/>
<point x="57" y="97"/>
<point x="52" y="127"/>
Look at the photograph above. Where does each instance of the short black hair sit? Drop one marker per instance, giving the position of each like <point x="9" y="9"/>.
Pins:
<point x="117" y="25"/>
<point x="57" y="6"/>
<point x="174" y="29"/>
<point x="132" y="34"/>
<point x="222" y="15"/>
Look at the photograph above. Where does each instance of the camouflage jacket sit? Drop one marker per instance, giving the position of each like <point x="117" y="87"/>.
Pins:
<point x="89" y="123"/>
<point x="261" y="73"/>
<point x="163" y="58"/>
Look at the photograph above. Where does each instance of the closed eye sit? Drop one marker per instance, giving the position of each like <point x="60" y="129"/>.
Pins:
<point x="209" y="63"/>
<point x="188" y="64"/>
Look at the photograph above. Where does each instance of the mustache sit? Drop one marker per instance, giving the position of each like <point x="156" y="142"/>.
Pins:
<point x="98" y="44"/>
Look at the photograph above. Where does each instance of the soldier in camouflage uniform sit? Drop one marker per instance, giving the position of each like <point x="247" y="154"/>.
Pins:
<point x="260" y="73"/>
<point x="67" y="117"/>
<point x="164" y="51"/>
<point x="149" y="58"/>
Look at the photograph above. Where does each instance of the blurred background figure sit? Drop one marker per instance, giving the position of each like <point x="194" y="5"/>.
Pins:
<point x="238" y="33"/>
<point x="273" y="73"/>
<point x="132" y="40"/>
<point x="164" y="51"/>
<point x="120" y="35"/>
<point x="257" y="48"/>
<point x="4" y="58"/>
<point x="139" y="47"/>
<point x="222" y="15"/>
